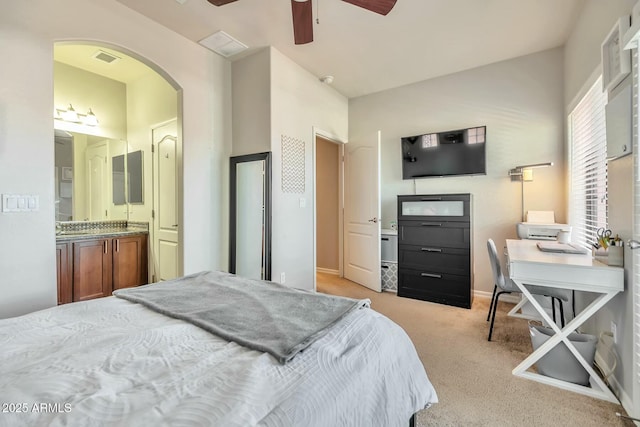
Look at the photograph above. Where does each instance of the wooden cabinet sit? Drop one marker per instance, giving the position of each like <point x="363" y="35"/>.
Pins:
<point x="63" y="264"/>
<point x="434" y="248"/>
<point x="91" y="269"/>
<point x="129" y="261"/>
<point x="96" y="267"/>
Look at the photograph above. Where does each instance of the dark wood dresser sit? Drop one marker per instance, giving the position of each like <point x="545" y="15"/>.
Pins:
<point x="435" y="259"/>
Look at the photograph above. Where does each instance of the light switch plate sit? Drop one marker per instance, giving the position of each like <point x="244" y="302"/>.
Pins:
<point x="20" y="202"/>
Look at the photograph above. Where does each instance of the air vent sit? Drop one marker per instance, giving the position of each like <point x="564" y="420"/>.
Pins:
<point x="223" y="44"/>
<point x="103" y="56"/>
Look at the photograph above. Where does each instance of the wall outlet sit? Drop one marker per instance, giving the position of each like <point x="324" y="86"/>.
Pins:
<point x="282" y="277"/>
<point x="614" y="332"/>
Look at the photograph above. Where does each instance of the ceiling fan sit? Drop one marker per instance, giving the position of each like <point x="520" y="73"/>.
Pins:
<point x="303" y="19"/>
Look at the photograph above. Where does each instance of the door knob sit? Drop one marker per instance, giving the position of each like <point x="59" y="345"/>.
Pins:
<point x="374" y="220"/>
<point x="633" y="244"/>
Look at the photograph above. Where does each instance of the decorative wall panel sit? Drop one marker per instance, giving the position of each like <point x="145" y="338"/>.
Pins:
<point x="293" y="167"/>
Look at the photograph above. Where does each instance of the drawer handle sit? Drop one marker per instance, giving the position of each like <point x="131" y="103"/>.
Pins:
<point x="385" y="266"/>
<point x="431" y="224"/>
<point x="385" y="239"/>
<point x="435" y="276"/>
<point x="431" y="250"/>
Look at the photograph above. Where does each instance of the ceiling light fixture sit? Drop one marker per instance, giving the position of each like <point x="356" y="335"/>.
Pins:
<point x="71" y="116"/>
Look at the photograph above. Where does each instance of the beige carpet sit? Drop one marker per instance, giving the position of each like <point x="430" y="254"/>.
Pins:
<point x="473" y="376"/>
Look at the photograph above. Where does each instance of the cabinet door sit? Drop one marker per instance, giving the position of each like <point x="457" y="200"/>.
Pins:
<point x="63" y="268"/>
<point x="91" y="269"/>
<point x="129" y="261"/>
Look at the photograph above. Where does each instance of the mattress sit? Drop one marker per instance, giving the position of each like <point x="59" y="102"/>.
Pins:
<point x="111" y="362"/>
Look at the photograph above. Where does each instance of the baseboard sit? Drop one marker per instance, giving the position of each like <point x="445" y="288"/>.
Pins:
<point x="327" y="271"/>
<point x="625" y="399"/>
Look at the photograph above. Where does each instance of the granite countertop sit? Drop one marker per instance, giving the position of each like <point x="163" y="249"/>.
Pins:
<point x="86" y="230"/>
<point x="97" y="234"/>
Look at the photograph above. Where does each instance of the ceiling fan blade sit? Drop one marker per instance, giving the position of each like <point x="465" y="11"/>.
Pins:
<point x="378" y="6"/>
<point x="302" y="21"/>
<point x="220" y="2"/>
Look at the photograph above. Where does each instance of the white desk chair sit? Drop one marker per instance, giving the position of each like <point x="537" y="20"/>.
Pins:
<point x="507" y="286"/>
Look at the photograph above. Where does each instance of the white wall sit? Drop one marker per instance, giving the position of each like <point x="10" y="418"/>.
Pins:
<point x="150" y="101"/>
<point x="299" y="102"/>
<point x="28" y="31"/>
<point x="85" y="90"/>
<point x="252" y="104"/>
<point x="582" y="57"/>
<point x="520" y="102"/>
<point x="277" y="97"/>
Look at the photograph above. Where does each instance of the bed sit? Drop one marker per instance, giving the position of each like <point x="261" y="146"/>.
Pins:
<point x="114" y="362"/>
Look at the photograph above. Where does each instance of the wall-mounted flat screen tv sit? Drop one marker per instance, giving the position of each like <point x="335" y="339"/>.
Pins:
<point x="456" y="152"/>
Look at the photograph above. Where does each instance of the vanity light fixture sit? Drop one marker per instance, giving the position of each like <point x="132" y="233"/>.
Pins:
<point x="90" y="119"/>
<point x="525" y="173"/>
<point x="70" y="115"/>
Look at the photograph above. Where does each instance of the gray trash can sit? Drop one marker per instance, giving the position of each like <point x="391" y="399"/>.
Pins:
<point x="560" y="363"/>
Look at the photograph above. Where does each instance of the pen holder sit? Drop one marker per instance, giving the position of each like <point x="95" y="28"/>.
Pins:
<point x="600" y="254"/>
<point x="616" y="256"/>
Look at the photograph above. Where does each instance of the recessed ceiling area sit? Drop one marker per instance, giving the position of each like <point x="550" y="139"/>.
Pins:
<point x="91" y="58"/>
<point x="367" y="52"/>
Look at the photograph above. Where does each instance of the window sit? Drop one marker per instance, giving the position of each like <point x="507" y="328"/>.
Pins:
<point x="430" y="140"/>
<point x="588" y="165"/>
<point x="476" y="135"/>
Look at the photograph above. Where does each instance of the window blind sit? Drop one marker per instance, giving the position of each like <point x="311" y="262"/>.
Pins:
<point x="588" y="165"/>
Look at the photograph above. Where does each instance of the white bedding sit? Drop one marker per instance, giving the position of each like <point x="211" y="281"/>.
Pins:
<point x="112" y="362"/>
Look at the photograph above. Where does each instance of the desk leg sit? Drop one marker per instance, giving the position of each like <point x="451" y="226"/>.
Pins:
<point x="562" y="335"/>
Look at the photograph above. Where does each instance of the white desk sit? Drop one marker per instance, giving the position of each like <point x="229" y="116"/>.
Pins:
<point x="529" y="265"/>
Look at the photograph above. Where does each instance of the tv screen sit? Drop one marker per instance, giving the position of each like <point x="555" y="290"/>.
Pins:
<point x="457" y="152"/>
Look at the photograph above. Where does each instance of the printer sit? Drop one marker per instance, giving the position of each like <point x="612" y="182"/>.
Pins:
<point x="540" y="225"/>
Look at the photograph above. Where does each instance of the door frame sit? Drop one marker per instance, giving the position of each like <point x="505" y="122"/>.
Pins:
<point x="317" y="132"/>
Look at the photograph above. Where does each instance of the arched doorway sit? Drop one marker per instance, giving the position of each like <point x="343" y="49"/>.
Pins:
<point x="131" y="99"/>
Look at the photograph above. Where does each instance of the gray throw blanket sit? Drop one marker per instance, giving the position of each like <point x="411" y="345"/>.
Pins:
<point x="264" y="316"/>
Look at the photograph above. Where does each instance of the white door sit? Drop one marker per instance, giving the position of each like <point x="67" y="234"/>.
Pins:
<point x="362" y="212"/>
<point x="166" y="227"/>
<point x="98" y="183"/>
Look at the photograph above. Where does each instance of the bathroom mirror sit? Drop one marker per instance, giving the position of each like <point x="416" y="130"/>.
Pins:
<point x="90" y="177"/>
<point x="250" y="216"/>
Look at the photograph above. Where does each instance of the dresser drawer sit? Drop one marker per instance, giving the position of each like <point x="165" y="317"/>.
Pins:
<point x="437" y="259"/>
<point x="443" y="207"/>
<point x="434" y="233"/>
<point x="436" y="287"/>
